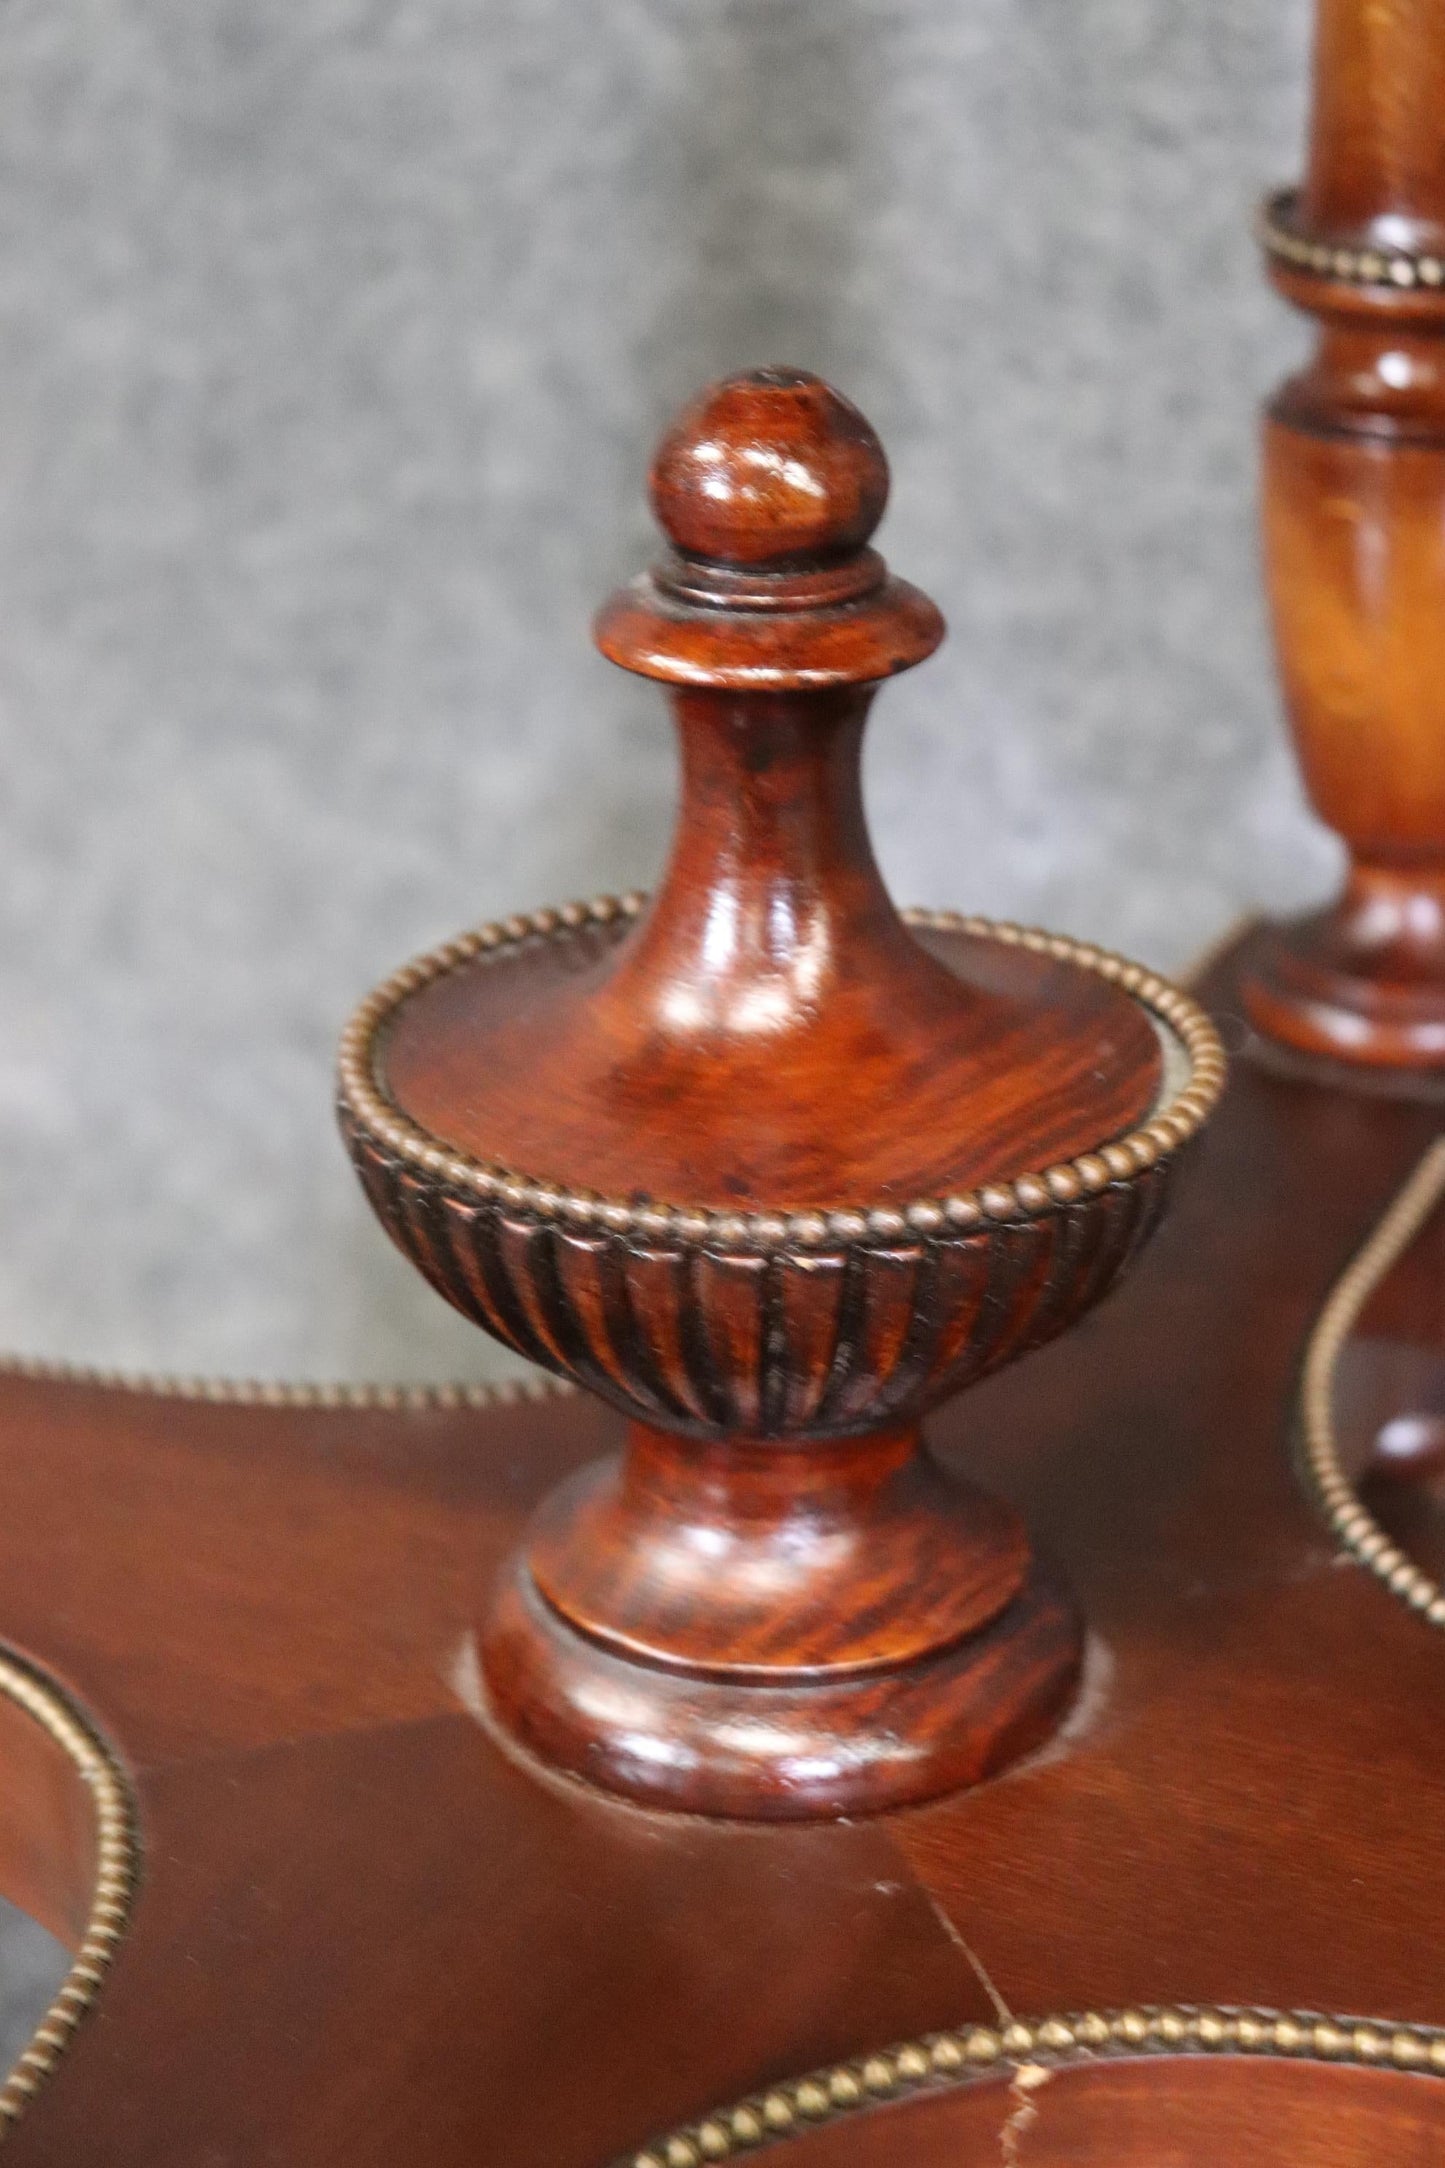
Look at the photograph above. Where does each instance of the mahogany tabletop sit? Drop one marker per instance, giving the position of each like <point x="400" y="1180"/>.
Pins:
<point x="365" y="1930"/>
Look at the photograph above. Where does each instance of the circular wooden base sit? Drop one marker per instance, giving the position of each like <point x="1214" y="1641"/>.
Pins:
<point x="1349" y="985"/>
<point x="759" y="1561"/>
<point x="848" y="1742"/>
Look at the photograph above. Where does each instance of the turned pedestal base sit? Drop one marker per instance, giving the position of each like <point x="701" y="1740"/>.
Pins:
<point x="1363" y="981"/>
<point x="772" y="1631"/>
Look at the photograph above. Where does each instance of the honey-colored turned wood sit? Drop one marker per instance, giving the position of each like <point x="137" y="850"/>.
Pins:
<point x="774" y="1173"/>
<point x="1354" y="533"/>
<point x="1376" y="166"/>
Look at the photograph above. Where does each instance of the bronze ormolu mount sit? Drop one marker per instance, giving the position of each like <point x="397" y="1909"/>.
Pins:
<point x="773" y="1172"/>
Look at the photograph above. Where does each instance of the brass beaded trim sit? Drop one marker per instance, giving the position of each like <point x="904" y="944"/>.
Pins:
<point x="942" y="2061"/>
<point x="1324" y="1474"/>
<point x="117" y="1867"/>
<point x="1028" y="1196"/>
<point x="277" y="1393"/>
<point x="1401" y="268"/>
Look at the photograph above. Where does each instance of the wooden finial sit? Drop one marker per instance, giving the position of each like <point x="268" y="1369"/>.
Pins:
<point x="773" y="1172"/>
<point x="1354" y="524"/>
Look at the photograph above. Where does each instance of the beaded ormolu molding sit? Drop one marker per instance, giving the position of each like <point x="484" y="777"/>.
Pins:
<point x="1324" y="1474"/>
<point x="364" y="1097"/>
<point x="288" y="1393"/>
<point x="946" y="2060"/>
<point x="117" y="1854"/>
<point x="1401" y="269"/>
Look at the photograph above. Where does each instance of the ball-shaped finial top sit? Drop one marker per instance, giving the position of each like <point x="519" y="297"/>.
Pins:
<point x="768" y="471"/>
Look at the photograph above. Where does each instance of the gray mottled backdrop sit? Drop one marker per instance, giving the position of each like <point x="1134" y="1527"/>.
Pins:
<point x="333" y="338"/>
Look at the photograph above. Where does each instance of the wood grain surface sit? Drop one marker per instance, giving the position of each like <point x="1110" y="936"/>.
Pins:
<point x="367" y="1930"/>
<point x="1354" y="509"/>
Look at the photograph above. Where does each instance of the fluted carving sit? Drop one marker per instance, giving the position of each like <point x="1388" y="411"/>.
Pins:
<point x="777" y="1344"/>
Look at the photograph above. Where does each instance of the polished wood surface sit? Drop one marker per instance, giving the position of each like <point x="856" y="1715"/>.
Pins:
<point x="1354" y="535"/>
<point x="774" y="1173"/>
<point x="1376" y="165"/>
<point x="768" y="1038"/>
<point x="368" y="1930"/>
<point x="769" y="1035"/>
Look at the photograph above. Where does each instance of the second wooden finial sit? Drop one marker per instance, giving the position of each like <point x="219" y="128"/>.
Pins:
<point x="1354" y="528"/>
<point x="773" y="1172"/>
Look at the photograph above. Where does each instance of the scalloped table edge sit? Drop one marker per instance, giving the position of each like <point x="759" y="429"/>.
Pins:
<point x="940" y="2060"/>
<point x="943" y="2062"/>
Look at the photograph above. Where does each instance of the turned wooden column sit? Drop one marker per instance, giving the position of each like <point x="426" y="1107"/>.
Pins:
<point x="1354" y="535"/>
<point x="773" y="1172"/>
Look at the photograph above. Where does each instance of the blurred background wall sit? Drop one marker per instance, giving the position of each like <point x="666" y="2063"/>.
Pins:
<point x="333" y="339"/>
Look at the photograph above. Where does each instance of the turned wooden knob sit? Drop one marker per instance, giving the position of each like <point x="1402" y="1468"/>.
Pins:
<point x="773" y="1172"/>
<point x="770" y="471"/>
